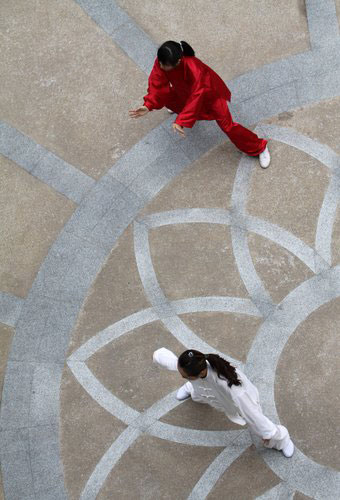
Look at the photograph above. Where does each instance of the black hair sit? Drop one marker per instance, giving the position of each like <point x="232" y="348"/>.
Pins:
<point x="194" y="362"/>
<point x="169" y="53"/>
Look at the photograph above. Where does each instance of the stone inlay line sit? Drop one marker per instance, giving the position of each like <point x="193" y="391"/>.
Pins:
<point x="146" y="316"/>
<point x="217" y="468"/>
<point x="325" y="155"/>
<point x="157" y="298"/>
<point x="279" y="492"/>
<point x="323" y="23"/>
<point x="10" y="308"/>
<point x="274" y="88"/>
<point x="146" y="422"/>
<point x="244" y="262"/>
<point x="123" y="30"/>
<point x="41" y="163"/>
<point x="312" y="479"/>
<point x="108" y="461"/>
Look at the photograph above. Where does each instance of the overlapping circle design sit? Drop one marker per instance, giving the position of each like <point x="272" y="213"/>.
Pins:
<point x="279" y="322"/>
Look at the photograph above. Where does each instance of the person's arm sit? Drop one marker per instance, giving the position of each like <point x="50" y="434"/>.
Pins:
<point x="254" y="417"/>
<point x="188" y="116"/>
<point x="158" y="89"/>
<point x="165" y="358"/>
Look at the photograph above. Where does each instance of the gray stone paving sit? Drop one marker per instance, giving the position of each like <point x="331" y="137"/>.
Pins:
<point x="29" y="419"/>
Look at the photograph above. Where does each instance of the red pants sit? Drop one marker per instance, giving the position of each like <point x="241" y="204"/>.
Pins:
<point x="245" y="140"/>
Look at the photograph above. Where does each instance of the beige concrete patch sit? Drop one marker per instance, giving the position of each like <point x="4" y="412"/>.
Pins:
<point x="2" y="494"/>
<point x="125" y="366"/>
<point x="207" y="183"/>
<point x="157" y="469"/>
<point x="199" y="416"/>
<point x="68" y="86"/>
<point x="238" y="36"/>
<point x="195" y="260"/>
<point x="87" y="431"/>
<point x="279" y="270"/>
<point x="116" y="293"/>
<point x="247" y="478"/>
<point x="336" y="239"/>
<point x="31" y="216"/>
<point x="6" y="335"/>
<point x="337" y="6"/>
<point x="307" y="382"/>
<point x="301" y="496"/>
<point x="320" y="122"/>
<point x="229" y="333"/>
<point x="290" y="192"/>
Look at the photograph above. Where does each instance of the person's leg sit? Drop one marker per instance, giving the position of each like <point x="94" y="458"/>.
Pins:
<point x="281" y="441"/>
<point x="245" y="140"/>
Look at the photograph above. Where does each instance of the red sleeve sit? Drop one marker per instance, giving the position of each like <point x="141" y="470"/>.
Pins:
<point x="158" y="89"/>
<point x="200" y="88"/>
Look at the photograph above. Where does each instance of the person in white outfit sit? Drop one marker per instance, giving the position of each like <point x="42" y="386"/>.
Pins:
<point x="213" y="380"/>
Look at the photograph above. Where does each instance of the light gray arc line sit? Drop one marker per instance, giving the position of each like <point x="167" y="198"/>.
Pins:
<point x="244" y="262"/>
<point x="217" y="468"/>
<point x="107" y="462"/>
<point x="328" y="157"/>
<point x="215" y="304"/>
<point x="10" y="308"/>
<point x="123" y="30"/>
<point x="280" y="492"/>
<point x="113" y="332"/>
<point x="323" y="23"/>
<point x="146" y="316"/>
<point x="44" y="165"/>
<point x="191" y="437"/>
<point x="310" y="478"/>
<point x="145" y="421"/>
<point x="324" y="230"/>
<point x="157" y="298"/>
<point x="242" y="221"/>
<point x="320" y="152"/>
<point x="99" y="393"/>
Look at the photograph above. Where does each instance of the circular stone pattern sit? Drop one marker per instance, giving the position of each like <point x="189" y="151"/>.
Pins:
<point x="307" y="385"/>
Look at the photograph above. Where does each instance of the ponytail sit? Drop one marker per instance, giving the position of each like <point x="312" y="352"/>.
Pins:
<point x="194" y="362"/>
<point x="187" y="49"/>
<point x="169" y="53"/>
<point x="224" y="368"/>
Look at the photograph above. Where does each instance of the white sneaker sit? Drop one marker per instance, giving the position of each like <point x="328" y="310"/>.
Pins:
<point x="264" y="158"/>
<point x="170" y="112"/>
<point x="288" y="450"/>
<point x="182" y="393"/>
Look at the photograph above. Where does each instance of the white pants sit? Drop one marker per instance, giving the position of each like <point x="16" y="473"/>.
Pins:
<point x="278" y="441"/>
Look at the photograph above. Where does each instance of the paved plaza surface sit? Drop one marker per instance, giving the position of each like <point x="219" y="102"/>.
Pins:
<point x="118" y="237"/>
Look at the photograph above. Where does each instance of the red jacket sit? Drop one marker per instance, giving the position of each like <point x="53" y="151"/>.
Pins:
<point x="192" y="90"/>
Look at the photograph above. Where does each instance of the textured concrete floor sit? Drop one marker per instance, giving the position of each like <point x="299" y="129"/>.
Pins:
<point x="117" y="238"/>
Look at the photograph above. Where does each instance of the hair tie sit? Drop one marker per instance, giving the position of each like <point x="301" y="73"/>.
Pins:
<point x="190" y="354"/>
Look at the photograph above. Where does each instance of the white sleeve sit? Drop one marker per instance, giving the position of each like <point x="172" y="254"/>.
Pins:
<point x="165" y="358"/>
<point x="254" y="417"/>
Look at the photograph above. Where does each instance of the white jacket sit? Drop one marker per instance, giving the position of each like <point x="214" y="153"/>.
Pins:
<point x="240" y="403"/>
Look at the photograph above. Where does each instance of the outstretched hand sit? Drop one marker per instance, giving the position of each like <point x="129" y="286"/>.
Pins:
<point x="137" y="113"/>
<point x="177" y="128"/>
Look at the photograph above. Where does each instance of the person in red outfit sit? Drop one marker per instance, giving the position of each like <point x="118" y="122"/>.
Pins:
<point x="186" y="86"/>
